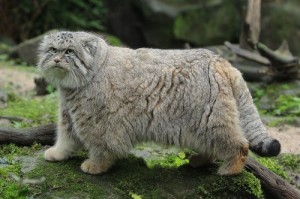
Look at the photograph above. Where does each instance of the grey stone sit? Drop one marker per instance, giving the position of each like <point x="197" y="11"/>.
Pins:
<point x="27" y="50"/>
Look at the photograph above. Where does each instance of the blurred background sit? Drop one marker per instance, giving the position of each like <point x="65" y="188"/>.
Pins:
<point x="259" y="37"/>
<point x="151" y="23"/>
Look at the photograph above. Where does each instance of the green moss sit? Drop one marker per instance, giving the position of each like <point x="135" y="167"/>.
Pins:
<point x="274" y="165"/>
<point x="170" y="161"/>
<point x="131" y="178"/>
<point x="9" y="187"/>
<point x="38" y="111"/>
<point x="224" y="187"/>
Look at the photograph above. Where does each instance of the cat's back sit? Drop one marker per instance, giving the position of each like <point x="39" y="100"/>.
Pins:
<point x="159" y="58"/>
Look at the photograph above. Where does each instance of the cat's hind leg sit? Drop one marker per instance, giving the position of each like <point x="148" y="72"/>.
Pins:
<point x="235" y="164"/>
<point x="227" y="143"/>
<point x="65" y="143"/>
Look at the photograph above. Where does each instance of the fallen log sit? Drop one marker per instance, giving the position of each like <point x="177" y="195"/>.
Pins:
<point x="273" y="184"/>
<point x="27" y="136"/>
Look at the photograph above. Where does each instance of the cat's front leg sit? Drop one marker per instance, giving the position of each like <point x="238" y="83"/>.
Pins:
<point x="66" y="143"/>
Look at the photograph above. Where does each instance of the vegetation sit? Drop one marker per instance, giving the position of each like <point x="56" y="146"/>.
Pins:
<point x="35" y="111"/>
<point x="279" y="100"/>
<point x="10" y="187"/>
<point x="21" y="20"/>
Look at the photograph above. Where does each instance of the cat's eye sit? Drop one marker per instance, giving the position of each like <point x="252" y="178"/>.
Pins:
<point x="69" y="51"/>
<point x="52" y="50"/>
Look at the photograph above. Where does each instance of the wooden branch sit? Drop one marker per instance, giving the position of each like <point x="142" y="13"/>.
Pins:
<point x="26" y="137"/>
<point x="247" y="54"/>
<point x="277" y="187"/>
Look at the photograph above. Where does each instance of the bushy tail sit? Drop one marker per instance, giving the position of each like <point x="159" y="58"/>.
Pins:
<point x="259" y="140"/>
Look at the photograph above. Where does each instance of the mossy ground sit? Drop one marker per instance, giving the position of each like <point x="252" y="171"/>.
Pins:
<point x="131" y="178"/>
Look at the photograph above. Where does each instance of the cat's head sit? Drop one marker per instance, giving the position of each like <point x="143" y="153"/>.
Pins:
<point x="70" y="59"/>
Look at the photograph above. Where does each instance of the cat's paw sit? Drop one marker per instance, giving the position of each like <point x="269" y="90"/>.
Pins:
<point x="53" y="154"/>
<point x="88" y="166"/>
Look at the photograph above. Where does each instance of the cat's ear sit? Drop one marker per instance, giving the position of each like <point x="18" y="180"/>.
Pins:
<point x="90" y="46"/>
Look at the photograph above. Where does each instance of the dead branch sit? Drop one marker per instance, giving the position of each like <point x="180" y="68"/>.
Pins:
<point x="280" y="57"/>
<point x="251" y="27"/>
<point x="247" y="54"/>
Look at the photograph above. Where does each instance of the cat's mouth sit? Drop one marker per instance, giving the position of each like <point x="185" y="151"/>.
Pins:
<point x="58" y="66"/>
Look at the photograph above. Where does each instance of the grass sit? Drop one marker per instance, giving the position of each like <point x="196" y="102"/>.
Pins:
<point x="37" y="111"/>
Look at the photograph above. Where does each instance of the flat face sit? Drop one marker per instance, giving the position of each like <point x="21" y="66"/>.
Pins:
<point x="67" y="57"/>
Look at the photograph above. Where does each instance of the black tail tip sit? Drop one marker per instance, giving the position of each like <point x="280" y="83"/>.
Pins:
<point x="274" y="148"/>
<point x="267" y="150"/>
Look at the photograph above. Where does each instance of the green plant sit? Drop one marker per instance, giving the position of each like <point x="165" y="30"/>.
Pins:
<point x="29" y="18"/>
<point x="287" y="105"/>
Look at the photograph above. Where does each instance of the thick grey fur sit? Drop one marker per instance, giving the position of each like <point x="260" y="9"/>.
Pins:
<point x="112" y="98"/>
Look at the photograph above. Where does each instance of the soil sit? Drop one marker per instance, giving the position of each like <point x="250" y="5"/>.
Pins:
<point x="18" y="81"/>
<point x="21" y="82"/>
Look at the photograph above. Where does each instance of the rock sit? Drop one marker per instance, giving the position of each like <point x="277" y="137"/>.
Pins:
<point x="3" y="99"/>
<point x="27" y="50"/>
<point x="5" y="122"/>
<point x="2" y="161"/>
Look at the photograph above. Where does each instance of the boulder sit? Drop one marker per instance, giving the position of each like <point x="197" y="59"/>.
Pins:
<point x="27" y="50"/>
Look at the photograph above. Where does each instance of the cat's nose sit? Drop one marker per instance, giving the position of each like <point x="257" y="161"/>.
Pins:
<point x="56" y="60"/>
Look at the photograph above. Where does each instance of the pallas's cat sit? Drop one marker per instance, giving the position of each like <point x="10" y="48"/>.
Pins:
<point x="112" y="98"/>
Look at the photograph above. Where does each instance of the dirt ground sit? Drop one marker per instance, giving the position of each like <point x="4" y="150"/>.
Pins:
<point x="19" y="81"/>
<point x="22" y="82"/>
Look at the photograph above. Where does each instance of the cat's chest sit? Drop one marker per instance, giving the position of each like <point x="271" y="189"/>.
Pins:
<point x="79" y="102"/>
